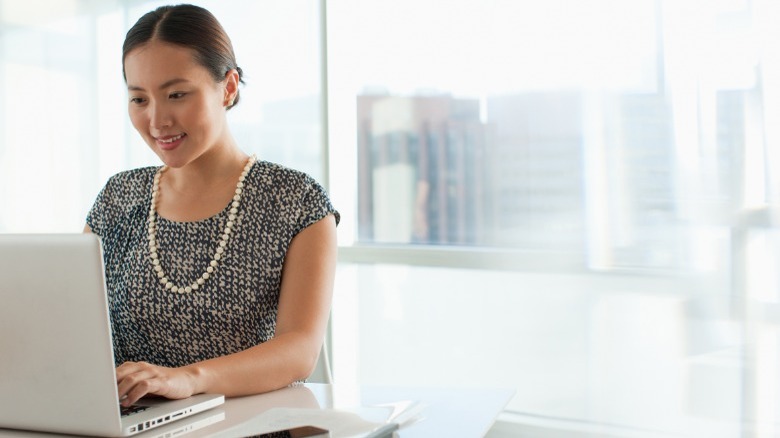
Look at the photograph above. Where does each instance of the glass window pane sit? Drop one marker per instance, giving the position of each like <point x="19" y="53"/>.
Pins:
<point x="612" y="130"/>
<point x="47" y="104"/>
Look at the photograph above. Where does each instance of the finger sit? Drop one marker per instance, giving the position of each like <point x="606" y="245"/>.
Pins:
<point x="141" y="389"/>
<point x="130" y="381"/>
<point x="128" y="368"/>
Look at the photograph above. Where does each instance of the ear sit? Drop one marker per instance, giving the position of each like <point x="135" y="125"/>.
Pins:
<point x="231" y="87"/>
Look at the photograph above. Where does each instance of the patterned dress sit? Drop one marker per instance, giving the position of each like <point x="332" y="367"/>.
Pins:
<point x="236" y="307"/>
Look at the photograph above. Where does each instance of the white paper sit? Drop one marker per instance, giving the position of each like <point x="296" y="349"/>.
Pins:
<point x="340" y="423"/>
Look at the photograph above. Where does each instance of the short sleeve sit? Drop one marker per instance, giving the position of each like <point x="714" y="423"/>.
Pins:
<point x="97" y="218"/>
<point x="315" y="205"/>
<point x="122" y="194"/>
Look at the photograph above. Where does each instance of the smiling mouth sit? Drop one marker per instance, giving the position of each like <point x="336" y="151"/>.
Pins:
<point x="170" y="140"/>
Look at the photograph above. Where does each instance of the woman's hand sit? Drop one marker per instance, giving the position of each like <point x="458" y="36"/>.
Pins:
<point x="137" y="379"/>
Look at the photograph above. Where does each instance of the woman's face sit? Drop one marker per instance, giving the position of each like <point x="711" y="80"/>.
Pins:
<point x="174" y="103"/>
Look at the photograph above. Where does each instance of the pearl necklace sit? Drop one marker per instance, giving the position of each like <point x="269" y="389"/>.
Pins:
<point x="218" y="254"/>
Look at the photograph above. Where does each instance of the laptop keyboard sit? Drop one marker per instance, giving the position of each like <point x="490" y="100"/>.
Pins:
<point x="132" y="409"/>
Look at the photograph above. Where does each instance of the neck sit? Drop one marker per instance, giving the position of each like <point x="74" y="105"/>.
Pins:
<point x="215" y="167"/>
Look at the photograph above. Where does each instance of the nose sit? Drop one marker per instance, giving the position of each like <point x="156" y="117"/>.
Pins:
<point x="159" y="116"/>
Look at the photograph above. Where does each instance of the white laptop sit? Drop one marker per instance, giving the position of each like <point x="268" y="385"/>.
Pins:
<point x="56" y="354"/>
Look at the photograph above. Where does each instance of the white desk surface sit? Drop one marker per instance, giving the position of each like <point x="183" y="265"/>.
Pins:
<point x="437" y="412"/>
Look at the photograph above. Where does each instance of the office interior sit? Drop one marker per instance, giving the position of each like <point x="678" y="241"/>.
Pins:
<point x="577" y="200"/>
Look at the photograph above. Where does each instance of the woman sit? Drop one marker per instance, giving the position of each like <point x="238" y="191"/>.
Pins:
<point x="219" y="267"/>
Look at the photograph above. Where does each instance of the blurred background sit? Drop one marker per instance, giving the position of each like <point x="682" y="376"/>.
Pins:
<point x="573" y="199"/>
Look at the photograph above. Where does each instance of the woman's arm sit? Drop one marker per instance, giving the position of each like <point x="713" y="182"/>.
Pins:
<point x="304" y="308"/>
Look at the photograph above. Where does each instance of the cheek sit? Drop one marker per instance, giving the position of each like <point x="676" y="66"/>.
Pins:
<point x="205" y="115"/>
<point x="138" y="120"/>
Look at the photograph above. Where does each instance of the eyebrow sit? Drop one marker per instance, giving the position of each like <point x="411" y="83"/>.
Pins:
<point x="164" y="85"/>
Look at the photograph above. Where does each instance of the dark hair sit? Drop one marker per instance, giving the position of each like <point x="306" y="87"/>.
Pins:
<point x="188" y="26"/>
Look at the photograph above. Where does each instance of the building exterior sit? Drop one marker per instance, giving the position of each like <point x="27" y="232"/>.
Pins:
<point x="599" y="175"/>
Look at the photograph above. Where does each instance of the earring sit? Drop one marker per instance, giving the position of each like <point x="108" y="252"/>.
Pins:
<point x="230" y="103"/>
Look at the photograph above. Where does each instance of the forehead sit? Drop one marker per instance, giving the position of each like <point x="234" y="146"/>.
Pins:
<point x="154" y="63"/>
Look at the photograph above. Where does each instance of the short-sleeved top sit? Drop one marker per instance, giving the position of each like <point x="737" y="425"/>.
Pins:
<point x="236" y="307"/>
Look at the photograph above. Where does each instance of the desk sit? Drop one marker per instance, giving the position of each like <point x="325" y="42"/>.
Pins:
<point x="467" y="413"/>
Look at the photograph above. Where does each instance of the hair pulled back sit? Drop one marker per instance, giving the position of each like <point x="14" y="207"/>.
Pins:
<point x="188" y="26"/>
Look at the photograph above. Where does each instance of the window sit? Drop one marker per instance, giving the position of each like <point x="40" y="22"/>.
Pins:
<point x="612" y="131"/>
<point x="46" y="117"/>
<point x="541" y="195"/>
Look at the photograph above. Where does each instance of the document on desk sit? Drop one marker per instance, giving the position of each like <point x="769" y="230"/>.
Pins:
<point x="361" y="422"/>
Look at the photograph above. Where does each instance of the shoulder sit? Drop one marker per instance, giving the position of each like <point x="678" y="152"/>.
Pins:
<point x="283" y="182"/>
<point x="133" y="176"/>
<point x="295" y="192"/>
<point x="123" y="193"/>
<point x="276" y="173"/>
<point x="129" y="185"/>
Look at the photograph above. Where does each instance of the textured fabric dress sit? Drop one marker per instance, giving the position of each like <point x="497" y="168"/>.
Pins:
<point x="236" y="307"/>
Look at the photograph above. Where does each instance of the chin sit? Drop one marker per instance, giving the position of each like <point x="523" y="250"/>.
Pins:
<point x="169" y="158"/>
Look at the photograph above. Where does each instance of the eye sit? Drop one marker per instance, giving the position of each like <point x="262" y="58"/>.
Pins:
<point x="177" y="95"/>
<point x="137" y="100"/>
